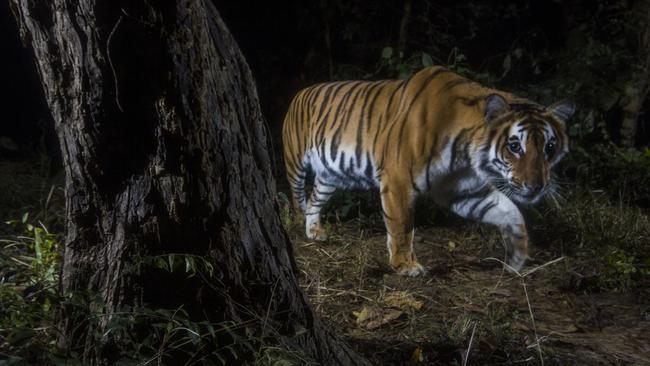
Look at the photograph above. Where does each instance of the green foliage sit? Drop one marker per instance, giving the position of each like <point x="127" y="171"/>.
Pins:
<point x="396" y="65"/>
<point x="42" y="246"/>
<point x="170" y="333"/>
<point x="622" y="172"/>
<point x="187" y="264"/>
<point x="286" y="214"/>
<point x="620" y="269"/>
<point x="606" y="240"/>
<point x="29" y="267"/>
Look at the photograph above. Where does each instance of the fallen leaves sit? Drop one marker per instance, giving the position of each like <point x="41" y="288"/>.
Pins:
<point x="417" y="355"/>
<point x="403" y="300"/>
<point x="373" y="317"/>
<point x="395" y="304"/>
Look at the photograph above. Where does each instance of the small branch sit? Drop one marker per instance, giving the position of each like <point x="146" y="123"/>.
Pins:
<point x="469" y="347"/>
<point x="403" y="26"/>
<point x="532" y="319"/>
<point x="110" y="62"/>
<point x="328" y="39"/>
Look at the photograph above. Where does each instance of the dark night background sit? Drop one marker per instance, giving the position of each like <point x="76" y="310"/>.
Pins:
<point x="285" y="45"/>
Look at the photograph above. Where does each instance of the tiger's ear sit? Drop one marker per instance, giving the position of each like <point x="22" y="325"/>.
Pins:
<point x="563" y="109"/>
<point x="495" y="106"/>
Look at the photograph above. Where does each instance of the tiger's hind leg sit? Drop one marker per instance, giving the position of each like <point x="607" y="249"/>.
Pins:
<point x="297" y="175"/>
<point x="319" y="197"/>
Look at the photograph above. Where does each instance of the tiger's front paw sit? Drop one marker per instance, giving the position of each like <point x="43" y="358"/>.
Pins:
<point x="410" y="269"/>
<point x="316" y="233"/>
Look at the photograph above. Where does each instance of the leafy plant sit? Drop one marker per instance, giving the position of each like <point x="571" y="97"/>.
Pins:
<point x="29" y="267"/>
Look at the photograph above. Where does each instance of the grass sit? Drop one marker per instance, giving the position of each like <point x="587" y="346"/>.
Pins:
<point x="608" y="242"/>
<point x="31" y="205"/>
<point x="584" y="308"/>
<point x="513" y="323"/>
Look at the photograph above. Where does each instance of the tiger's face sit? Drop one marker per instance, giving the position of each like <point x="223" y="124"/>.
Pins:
<point x="524" y="143"/>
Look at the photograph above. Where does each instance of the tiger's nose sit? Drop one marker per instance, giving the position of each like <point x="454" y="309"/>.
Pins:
<point x="534" y="187"/>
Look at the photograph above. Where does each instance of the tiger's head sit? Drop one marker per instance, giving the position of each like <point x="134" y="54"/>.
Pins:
<point x="523" y="142"/>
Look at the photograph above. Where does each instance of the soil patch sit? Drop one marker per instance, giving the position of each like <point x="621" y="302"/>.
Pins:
<point x="466" y="298"/>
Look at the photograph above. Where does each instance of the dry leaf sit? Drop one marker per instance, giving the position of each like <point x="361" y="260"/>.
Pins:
<point x="451" y="246"/>
<point x="374" y="317"/>
<point x="416" y="356"/>
<point x="403" y="300"/>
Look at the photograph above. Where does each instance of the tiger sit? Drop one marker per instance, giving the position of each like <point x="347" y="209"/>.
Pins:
<point x="476" y="150"/>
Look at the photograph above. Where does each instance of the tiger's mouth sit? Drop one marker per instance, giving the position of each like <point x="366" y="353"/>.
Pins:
<point x="526" y="196"/>
<point x="518" y="193"/>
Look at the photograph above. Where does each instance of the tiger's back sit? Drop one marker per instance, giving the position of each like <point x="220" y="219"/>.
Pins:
<point x="349" y="129"/>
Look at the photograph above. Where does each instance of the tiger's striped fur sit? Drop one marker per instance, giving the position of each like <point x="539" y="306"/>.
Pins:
<point x="475" y="149"/>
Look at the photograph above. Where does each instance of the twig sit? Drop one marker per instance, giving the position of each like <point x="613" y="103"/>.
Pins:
<point x="110" y="62"/>
<point x="268" y="309"/>
<point x="542" y="266"/>
<point x="532" y="319"/>
<point x="530" y="308"/>
<point x="526" y="273"/>
<point x="469" y="347"/>
<point x="403" y="27"/>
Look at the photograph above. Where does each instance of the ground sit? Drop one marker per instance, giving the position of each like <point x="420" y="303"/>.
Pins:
<point x="587" y="285"/>
<point x="467" y="301"/>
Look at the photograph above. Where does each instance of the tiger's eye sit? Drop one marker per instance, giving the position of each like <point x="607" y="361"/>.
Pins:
<point x="514" y="147"/>
<point x="549" y="148"/>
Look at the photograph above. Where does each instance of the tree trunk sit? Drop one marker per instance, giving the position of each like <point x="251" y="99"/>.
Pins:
<point x="636" y="89"/>
<point x="165" y="151"/>
<point x="403" y="27"/>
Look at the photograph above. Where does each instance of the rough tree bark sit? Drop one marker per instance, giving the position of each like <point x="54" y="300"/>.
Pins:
<point x="403" y="27"/>
<point x="165" y="151"/>
<point x="636" y="89"/>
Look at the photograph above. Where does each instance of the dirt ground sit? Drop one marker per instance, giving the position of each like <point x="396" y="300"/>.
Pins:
<point x="466" y="302"/>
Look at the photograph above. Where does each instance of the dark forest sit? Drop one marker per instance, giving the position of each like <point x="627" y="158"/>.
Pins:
<point x="211" y="182"/>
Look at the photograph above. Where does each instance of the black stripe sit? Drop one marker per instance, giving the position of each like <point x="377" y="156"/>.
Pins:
<point x="392" y="95"/>
<point x="325" y="184"/>
<point x="334" y="145"/>
<point x="491" y="135"/>
<point x="480" y="193"/>
<point x="473" y="206"/>
<point x="342" y="162"/>
<point x="454" y="83"/>
<point x="368" y="170"/>
<point x="351" y="104"/>
<point x="324" y="103"/>
<point x="359" y="146"/>
<point x="318" y="191"/>
<point x="454" y="148"/>
<point x="323" y="124"/>
<point x="424" y="85"/>
<point x="415" y="187"/>
<point x="485" y="210"/>
<point x="372" y="105"/>
<point x="383" y="212"/>
<point x="343" y="102"/>
<point x="336" y="139"/>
